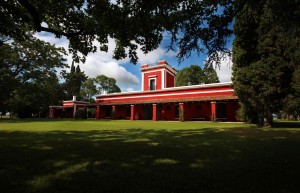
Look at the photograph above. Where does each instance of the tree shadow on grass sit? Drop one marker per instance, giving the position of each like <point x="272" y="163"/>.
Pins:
<point x="138" y="160"/>
<point x="287" y="124"/>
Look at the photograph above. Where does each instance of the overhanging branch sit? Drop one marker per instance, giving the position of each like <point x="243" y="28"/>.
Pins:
<point x="37" y="21"/>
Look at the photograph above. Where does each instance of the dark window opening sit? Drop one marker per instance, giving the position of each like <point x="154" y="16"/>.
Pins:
<point x="128" y="111"/>
<point x="152" y="84"/>
<point x="198" y="107"/>
<point x="176" y="111"/>
<point x="168" y="107"/>
<point x="221" y="110"/>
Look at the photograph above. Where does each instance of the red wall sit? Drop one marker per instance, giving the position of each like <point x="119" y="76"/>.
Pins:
<point x="157" y="75"/>
<point x="198" y="111"/>
<point x="166" y="94"/>
<point x="121" y="112"/>
<point x="169" y="80"/>
<point x="166" y="112"/>
<point x="232" y="107"/>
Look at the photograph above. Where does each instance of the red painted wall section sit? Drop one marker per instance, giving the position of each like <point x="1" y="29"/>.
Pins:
<point x="167" y="112"/>
<point x="169" y="80"/>
<point x="122" y="112"/>
<point x="198" y="111"/>
<point x="101" y="113"/>
<point x="232" y="107"/>
<point x="167" y="94"/>
<point x="149" y="75"/>
<point x="139" y="113"/>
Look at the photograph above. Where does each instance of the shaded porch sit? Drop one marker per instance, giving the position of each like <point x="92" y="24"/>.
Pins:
<point x="223" y="110"/>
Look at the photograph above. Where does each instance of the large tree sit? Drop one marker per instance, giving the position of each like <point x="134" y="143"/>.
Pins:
<point x="106" y="84"/>
<point x="291" y="104"/>
<point x="210" y="75"/>
<point x="73" y="81"/>
<point x="193" y="25"/>
<point x="265" y="54"/>
<point x="99" y="85"/>
<point x="88" y="90"/>
<point x="29" y="68"/>
<point x="194" y="75"/>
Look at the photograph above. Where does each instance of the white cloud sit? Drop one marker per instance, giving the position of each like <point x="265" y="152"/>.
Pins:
<point x="97" y="63"/>
<point x="224" y="71"/>
<point x="127" y="89"/>
<point x="154" y="56"/>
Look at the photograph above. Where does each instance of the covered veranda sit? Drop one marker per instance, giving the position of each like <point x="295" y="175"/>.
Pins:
<point x="218" y="108"/>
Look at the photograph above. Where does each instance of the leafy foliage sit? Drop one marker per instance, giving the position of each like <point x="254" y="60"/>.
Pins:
<point x="106" y="84"/>
<point x="193" y="25"/>
<point x="292" y="101"/>
<point x="194" y="75"/>
<point x="88" y="90"/>
<point x="28" y="80"/>
<point x="265" y="55"/>
<point x="100" y="84"/>
<point x="73" y="81"/>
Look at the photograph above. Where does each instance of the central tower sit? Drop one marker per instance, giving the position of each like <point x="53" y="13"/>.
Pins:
<point x="158" y="76"/>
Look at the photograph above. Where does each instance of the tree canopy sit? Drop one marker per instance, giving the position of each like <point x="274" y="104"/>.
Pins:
<point x="192" y="25"/>
<point x="73" y="81"/>
<point x="28" y="76"/>
<point x="265" y="55"/>
<point x="194" y="75"/>
<point x="99" y="85"/>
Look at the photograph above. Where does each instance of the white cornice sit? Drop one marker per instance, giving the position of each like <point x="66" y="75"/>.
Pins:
<point x="169" y="68"/>
<point x="214" y="85"/>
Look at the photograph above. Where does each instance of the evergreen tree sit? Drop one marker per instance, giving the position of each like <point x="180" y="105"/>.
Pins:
<point x="265" y="55"/>
<point x="73" y="82"/>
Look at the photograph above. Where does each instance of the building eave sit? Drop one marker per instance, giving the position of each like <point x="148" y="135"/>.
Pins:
<point x="202" y="86"/>
<point x="179" y="100"/>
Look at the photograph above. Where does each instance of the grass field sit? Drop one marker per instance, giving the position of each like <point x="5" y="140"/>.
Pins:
<point x="89" y="156"/>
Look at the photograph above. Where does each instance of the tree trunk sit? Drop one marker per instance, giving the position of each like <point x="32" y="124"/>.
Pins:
<point x="268" y="122"/>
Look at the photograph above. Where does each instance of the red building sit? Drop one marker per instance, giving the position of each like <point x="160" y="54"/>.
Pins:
<point x="68" y="109"/>
<point x="161" y="100"/>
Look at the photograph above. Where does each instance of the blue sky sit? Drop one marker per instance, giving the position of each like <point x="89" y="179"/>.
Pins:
<point x="128" y="75"/>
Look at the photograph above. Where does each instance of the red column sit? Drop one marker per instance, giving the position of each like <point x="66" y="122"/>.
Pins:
<point x="132" y="112"/>
<point x="113" y="112"/>
<point x="181" y="112"/>
<point x="154" y="113"/>
<point x="98" y="112"/>
<point x="213" y="111"/>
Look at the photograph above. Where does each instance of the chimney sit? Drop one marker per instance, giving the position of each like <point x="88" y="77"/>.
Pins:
<point x="74" y="98"/>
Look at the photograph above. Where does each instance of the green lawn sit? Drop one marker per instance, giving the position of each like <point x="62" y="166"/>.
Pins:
<point x="71" y="156"/>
